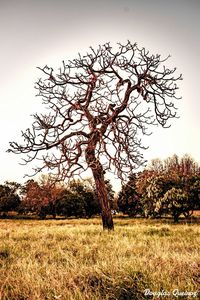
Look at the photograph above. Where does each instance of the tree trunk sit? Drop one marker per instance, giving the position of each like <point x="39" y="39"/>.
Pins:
<point x="102" y="193"/>
<point x="98" y="174"/>
<point x="176" y="217"/>
<point x="101" y="189"/>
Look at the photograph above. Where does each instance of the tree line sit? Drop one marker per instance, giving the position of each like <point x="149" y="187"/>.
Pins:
<point x="169" y="187"/>
<point x="77" y="198"/>
<point x="165" y="188"/>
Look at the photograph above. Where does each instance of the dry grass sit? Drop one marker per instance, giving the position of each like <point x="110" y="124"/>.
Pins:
<point x="74" y="259"/>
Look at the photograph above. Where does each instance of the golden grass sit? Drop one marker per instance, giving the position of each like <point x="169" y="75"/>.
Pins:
<point x="75" y="259"/>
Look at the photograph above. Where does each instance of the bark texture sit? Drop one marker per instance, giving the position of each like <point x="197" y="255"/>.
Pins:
<point x="102" y="193"/>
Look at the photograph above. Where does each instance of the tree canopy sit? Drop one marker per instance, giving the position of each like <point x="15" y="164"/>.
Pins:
<point x="99" y="105"/>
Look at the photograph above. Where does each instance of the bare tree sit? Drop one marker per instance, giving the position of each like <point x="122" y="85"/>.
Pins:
<point x="98" y="105"/>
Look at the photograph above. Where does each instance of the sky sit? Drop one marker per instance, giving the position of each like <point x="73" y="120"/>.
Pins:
<point x="38" y="32"/>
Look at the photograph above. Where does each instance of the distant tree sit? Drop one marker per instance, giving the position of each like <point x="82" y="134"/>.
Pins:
<point x="188" y="166"/>
<point x="153" y="190"/>
<point x="92" y="206"/>
<point x="192" y="188"/>
<point x="32" y="200"/>
<point x="99" y="104"/>
<point x="41" y="197"/>
<point x="70" y="204"/>
<point x="78" y="200"/>
<point x="185" y="165"/>
<point x="14" y="187"/>
<point x="175" y="201"/>
<point x="50" y="192"/>
<point x="179" y="190"/>
<point x="172" y="164"/>
<point x="9" y="199"/>
<point x="143" y="179"/>
<point x="168" y="193"/>
<point x="128" y="199"/>
<point x="156" y="165"/>
<point x="195" y="190"/>
<point x="86" y="191"/>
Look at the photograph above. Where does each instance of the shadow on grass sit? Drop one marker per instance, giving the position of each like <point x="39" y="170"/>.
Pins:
<point x="131" y="286"/>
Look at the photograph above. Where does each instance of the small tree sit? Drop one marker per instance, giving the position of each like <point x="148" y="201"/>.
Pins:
<point x="195" y="191"/>
<point x="9" y="199"/>
<point x="185" y="165"/>
<point x="41" y="197"/>
<point x="50" y="192"/>
<point x="98" y="104"/>
<point x="33" y="200"/>
<point x="192" y="188"/>
<point x="151" y="196"/>
<point x="168" y="193"/>
<point x="179" y="179"/>
<point x="85" y="191"/>
<point x="128" y="199"/>
<point x="175" y="201"/>
<point x="70" y="203"/>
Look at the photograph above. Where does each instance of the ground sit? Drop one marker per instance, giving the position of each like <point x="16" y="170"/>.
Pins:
<point x="76" y="259"/>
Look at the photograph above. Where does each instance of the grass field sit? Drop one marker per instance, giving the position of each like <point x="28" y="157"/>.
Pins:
<point x="75" y="259"/>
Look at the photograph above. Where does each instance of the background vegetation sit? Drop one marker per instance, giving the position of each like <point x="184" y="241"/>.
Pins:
<point x="166" y="188"/>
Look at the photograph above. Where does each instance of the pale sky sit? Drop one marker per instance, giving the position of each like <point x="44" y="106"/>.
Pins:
<point x="39" y="32"/>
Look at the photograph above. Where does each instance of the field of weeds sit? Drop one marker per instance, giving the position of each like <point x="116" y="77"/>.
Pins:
<point x="75" y="259"/>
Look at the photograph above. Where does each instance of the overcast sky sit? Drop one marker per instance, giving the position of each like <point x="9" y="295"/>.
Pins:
<point x="39" y="32"/>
